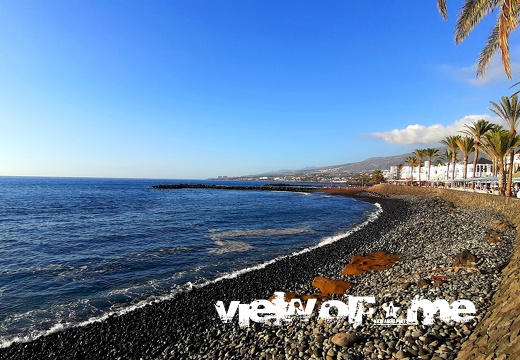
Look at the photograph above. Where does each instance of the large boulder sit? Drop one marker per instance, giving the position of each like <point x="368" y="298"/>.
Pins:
<point x="330" y="286"/>
<point x="501" y="225"/>
<point x="465" y="259"/>
<point x="345" y="339"/>
<point x="374" y="261"/>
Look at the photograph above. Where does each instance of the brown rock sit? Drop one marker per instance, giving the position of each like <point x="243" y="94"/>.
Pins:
<point x="501" y="225"/>
<point x="438" y="280"/>
<point x="437" y="283"/>
<point x="345" y="339"/>
<point x="405" y="285"/>
<point x="422" y="282"/>
<point x="401" y="354"/>
<point x="374" y="261"/>
<point x="465" y="259"/>
<point x="330" y="286"/>
<point x="320" y="298"/>
<point x="493" y="236"/>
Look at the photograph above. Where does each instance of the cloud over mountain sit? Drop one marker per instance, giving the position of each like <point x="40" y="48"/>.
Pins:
<point x="421" y="134"/>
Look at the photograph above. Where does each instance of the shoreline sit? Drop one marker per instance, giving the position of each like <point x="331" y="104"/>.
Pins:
<point x="188" y="325"/>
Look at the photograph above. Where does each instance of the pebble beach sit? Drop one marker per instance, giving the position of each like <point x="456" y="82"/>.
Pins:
<point x="427" y="234"/>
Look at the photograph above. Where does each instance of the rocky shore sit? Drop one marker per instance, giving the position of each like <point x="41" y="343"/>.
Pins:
<point x="427" y="234"/>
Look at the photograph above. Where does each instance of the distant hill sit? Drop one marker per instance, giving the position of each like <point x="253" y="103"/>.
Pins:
<point x="370" y="164"/>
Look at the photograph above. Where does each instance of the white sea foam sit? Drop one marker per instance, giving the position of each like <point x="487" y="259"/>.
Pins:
<point x="230" y="246"/>
<point x="226" y="246"/>
<point x="6" y="342"/>
<point x="325" y="241"/>
<point x="219" y="235"/>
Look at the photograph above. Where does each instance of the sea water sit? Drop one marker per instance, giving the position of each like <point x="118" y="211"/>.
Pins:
<point x="75" y="250"/>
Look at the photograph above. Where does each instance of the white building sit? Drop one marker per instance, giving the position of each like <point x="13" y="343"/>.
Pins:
<point x="444" y="171"/>
<point x="441" y="172"/>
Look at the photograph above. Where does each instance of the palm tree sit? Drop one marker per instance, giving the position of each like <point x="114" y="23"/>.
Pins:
<point x="430" y="153"/>
<point x="378" y="177"/>
<point x="412" y="161"/>
<point x="495" y="127"/>
<point x="399" y="168"/>
<point x="447" y="155"/>
<point x="419" y="154"/>
<point x="497" y="143"/>
<point x="472" y="13"/>
<point x="477" y="130"/>
<point x="453" y="147"/>
<point x="467" y="146"/>
<point x="509" y="111"/>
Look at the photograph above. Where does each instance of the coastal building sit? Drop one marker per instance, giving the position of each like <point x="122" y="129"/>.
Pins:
<point x="516" y="162"/>
<point x="441" y="172"/>
<point x="481" y="179"/>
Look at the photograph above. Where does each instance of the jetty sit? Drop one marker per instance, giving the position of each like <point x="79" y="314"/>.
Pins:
<point x="267" y="187"/>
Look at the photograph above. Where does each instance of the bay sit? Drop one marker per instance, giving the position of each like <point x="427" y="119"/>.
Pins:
<point x="74" y="250"/>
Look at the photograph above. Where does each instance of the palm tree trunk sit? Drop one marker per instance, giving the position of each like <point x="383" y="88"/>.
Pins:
<point x="475" y="162"/>
<point x="465" y="175"/>
<point x="501" y="179"/>
<point x="510" y="173"/>
<point x="453" y="170"/>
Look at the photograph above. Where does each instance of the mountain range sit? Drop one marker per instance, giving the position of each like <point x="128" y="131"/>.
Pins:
<point x="368" y="165"/>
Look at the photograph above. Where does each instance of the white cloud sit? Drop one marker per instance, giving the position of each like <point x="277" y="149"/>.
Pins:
<point x="433" y="134"/>
<point x="494" y="73"/>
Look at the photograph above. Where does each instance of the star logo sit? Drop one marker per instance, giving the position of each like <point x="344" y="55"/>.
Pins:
<point x="391" y="310"/>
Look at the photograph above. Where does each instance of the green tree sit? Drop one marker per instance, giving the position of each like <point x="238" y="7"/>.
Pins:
<point x="453" y="147"/>
<point x="399" y="168"/>
<point x="509" y="111"/>
<point x="377" y="177"/>
<point x="467" y="146"/>
<point x="411" y="161"/>
<point x="430" y="154"/>
<point x="447" y="155"/>
<point x="364" y="179"/>
<point x="419" y="154"/>
<point x="472" y="12"/>
<point x="477" y="130"/>
<point x="497" y="143"/>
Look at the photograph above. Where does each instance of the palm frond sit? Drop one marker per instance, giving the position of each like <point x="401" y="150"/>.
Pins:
<point x="503" y="40"/>
<point x="472" y="12"/>
<point x="491" y="47"/>
<point x="441" y="6"/>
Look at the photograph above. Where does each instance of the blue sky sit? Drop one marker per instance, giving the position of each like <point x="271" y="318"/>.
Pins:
<point x="197" y="89"/>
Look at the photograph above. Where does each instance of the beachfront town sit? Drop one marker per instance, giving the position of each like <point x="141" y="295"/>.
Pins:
<point x="482" y="174"/>
<point x="440" y="173"/>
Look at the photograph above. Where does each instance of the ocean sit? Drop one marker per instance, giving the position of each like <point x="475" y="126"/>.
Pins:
<point x="76" y="250"/>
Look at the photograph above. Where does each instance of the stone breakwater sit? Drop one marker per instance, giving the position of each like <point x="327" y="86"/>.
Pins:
<point x="426" y="233"/>
<point x="267" y="187"/>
